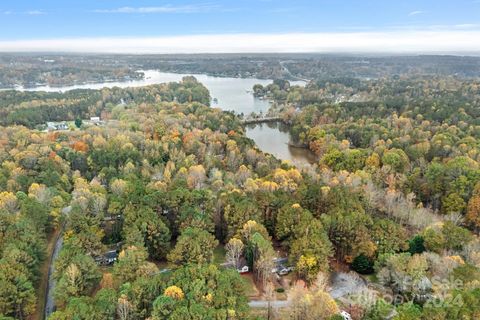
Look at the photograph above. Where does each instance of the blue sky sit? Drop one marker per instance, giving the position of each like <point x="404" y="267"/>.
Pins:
<point x="23" y="20"/>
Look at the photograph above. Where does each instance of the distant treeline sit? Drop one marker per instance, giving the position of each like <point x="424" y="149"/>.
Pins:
<point x="31" y="70"/>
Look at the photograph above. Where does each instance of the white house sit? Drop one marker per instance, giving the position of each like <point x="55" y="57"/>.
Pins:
<point x="56" y="126"/>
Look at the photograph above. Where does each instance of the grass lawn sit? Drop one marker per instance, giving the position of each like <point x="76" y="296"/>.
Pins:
<point x="371" y="277"/>
<point x="164" y="265"/>
<point x="262" y="313"/>
<point x="219" y="255"/>
<point x="252" y="291"/>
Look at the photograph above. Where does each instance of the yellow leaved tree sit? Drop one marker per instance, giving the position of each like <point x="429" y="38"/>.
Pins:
<point x="174" y="292"/>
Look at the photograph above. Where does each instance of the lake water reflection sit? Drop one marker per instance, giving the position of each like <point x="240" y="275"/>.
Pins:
<point x="274" y="138"/>
<point x="233" y="94"/>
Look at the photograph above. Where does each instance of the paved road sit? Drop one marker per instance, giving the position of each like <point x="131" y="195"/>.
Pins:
<point x="273" y="304"/>
<point x="50" y="302"/>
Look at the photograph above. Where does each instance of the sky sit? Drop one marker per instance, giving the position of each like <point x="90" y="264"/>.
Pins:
<point x="192" y="26"/>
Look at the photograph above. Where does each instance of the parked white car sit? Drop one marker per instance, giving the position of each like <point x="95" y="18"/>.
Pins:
<point x="285" y="271"/>
<point x="243" y="269"/>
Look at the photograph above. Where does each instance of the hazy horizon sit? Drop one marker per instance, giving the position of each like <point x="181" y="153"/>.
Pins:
<point x="387" y="43"/>
<point x="251" y="26"/>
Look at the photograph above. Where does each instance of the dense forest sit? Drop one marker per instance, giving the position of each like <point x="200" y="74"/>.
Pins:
<point x="185" y="199"/>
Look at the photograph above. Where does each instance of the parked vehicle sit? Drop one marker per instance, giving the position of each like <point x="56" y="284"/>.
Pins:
<point x="285" y="270"/>
<point x="243" y="270"/>
<point x="345" y="315"/>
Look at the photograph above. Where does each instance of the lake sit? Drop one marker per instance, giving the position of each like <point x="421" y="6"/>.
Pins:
<point x="274" y="138"/>
<point x="233" y="94"/>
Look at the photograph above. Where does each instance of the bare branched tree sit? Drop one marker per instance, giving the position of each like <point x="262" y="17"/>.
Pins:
<point x="123" y="308"/>
<point x="234" y="249"/>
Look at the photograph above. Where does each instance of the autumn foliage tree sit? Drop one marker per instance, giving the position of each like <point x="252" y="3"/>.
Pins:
<point x="473" y="209"/>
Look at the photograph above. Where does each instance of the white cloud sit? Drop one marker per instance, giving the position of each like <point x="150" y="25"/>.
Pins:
<point x="415" y="13"/>
<point x="400" y="41"/>
<point x="30" y="12"/>
<point x="35" y="12"/>
<point x="162" y="9"/>
<point x="467" y="26"/>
